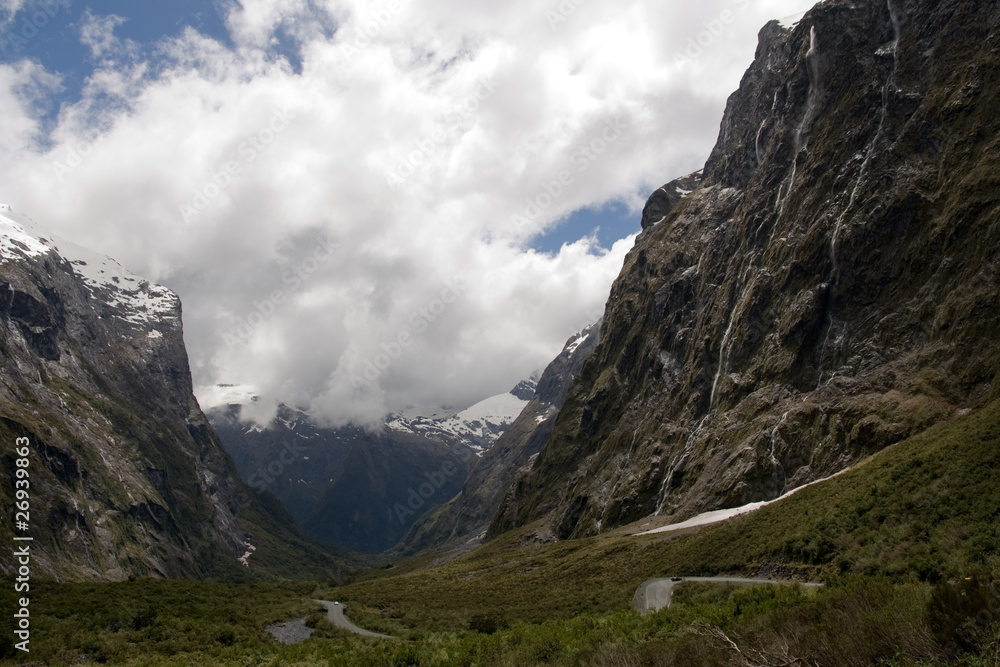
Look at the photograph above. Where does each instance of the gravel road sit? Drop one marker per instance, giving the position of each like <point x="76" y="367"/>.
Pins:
<point x="335" y="612"/>
<point x="656" y="594"/>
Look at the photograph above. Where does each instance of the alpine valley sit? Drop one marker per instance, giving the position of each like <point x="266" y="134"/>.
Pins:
<point x="778" y="446"/>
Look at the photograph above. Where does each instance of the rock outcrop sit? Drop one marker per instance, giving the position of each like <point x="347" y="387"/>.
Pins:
<point x="489" y="490"/>
<point x="828" y="289"/>
<point x="127" y="478"/>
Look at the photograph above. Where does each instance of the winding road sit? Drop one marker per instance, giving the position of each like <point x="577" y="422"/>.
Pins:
<point x="335" y="612"/>
<point x="655" y="594"/>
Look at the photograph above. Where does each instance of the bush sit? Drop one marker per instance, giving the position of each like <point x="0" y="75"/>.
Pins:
<point x="487" y="624"/>
<point x="961" y="614"/>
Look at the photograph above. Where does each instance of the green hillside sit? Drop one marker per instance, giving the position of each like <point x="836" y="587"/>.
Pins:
<point x="906" y="542"/>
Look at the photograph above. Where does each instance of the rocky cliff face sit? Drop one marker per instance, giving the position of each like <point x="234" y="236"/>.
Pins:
<point x="828" y="288"/>
<point x="127" y="477"/>
<point x="487" y="491"/>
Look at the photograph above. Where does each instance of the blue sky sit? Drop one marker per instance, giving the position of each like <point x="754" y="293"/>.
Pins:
<point x="57" y="43"/>
<point x="49" y="32"/>
<point x="609" y="223"/>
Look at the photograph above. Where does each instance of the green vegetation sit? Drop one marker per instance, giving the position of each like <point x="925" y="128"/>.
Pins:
<point x="906" y="542"/>
<point x="854" y="621"/>
<point x="925" y="510"/>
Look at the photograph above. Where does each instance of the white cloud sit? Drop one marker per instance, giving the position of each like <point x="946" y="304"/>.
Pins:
<point x="259" y="191"/>
<point x="98" y="34"/>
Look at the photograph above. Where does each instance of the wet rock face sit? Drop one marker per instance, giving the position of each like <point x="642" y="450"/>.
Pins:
<point x="827" y="290"/>
<point x="127" y="478"/>
<point x="663" y="201"/>
<point x="487" y="502"/>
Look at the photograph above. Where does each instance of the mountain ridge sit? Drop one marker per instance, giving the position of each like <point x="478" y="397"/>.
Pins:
<point x="127" y="476"/>
<point x="824" y="292"/>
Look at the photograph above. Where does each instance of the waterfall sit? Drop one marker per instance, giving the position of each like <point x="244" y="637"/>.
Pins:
<point x="723" y="360"/>
<point x="862" y="172"/>
<point x="774" y="434"/>
<point x="688" y="446"/>
<point x="812" y="103"/>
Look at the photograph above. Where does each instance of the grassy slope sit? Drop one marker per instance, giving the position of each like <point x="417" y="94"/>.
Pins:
<point x="925" y="509"/>
<point x="922" y="510"/>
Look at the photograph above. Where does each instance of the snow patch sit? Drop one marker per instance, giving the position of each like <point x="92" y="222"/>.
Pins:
<point x="717" y="516"/>
<point x="137" y="300"/>
<point x="243" y="560"/>
<point x="225" y="394"/>
<point x="571" y="348"/>
<point x="482" y="422"/>
<point x="15" y="239"/>
<point x="789" y="22"/>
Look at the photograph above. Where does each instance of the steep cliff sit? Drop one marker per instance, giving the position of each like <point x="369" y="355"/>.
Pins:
<point x="127" y="478"/>
<point x="828" y="288"/>
<point x="486" y="493"/>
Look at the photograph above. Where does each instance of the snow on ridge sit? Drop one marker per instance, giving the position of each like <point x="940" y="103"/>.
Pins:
<point x="503" y="408"/>
<point x="225" y="394"/>
<point x="139" y="301"/>
<point x="571" y="348"/>
<point x="15" y="239"/>
<point x="790" y="22"/>
<point x="483" y="421"/>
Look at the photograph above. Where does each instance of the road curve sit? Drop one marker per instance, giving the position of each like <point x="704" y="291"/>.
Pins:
<point x="335" y="612"/>
<point x="655" y="594"/>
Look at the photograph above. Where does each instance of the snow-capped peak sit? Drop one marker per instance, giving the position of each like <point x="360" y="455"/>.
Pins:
<point x="136" y="299"/>
<point x="15" y="239"/>
<point x="478" y="426"/>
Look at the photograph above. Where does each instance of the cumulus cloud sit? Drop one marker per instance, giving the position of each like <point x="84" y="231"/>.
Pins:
<point x="350" y="232"/>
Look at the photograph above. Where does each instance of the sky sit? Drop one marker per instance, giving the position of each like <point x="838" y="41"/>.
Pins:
<point x="365" y="207"/>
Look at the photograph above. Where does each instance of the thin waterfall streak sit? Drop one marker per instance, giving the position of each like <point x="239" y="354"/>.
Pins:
<point x="869" y="155"/>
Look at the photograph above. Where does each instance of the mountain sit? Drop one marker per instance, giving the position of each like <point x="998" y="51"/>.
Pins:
<point x="826" y="288"/>
<point x="356" y="488"/>
<point x="291" y="458"/>
<point x="126" y="476"/>
<point x="465" y="520"/>
<point x="387" y="482"/>
<point x="478" y="426"/>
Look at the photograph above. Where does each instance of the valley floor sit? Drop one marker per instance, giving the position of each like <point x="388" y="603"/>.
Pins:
<point x="905" y="543"/>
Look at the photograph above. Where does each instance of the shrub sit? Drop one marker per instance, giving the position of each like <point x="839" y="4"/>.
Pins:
<point x="961" y="613"/>
<point x="487" y="624"/>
